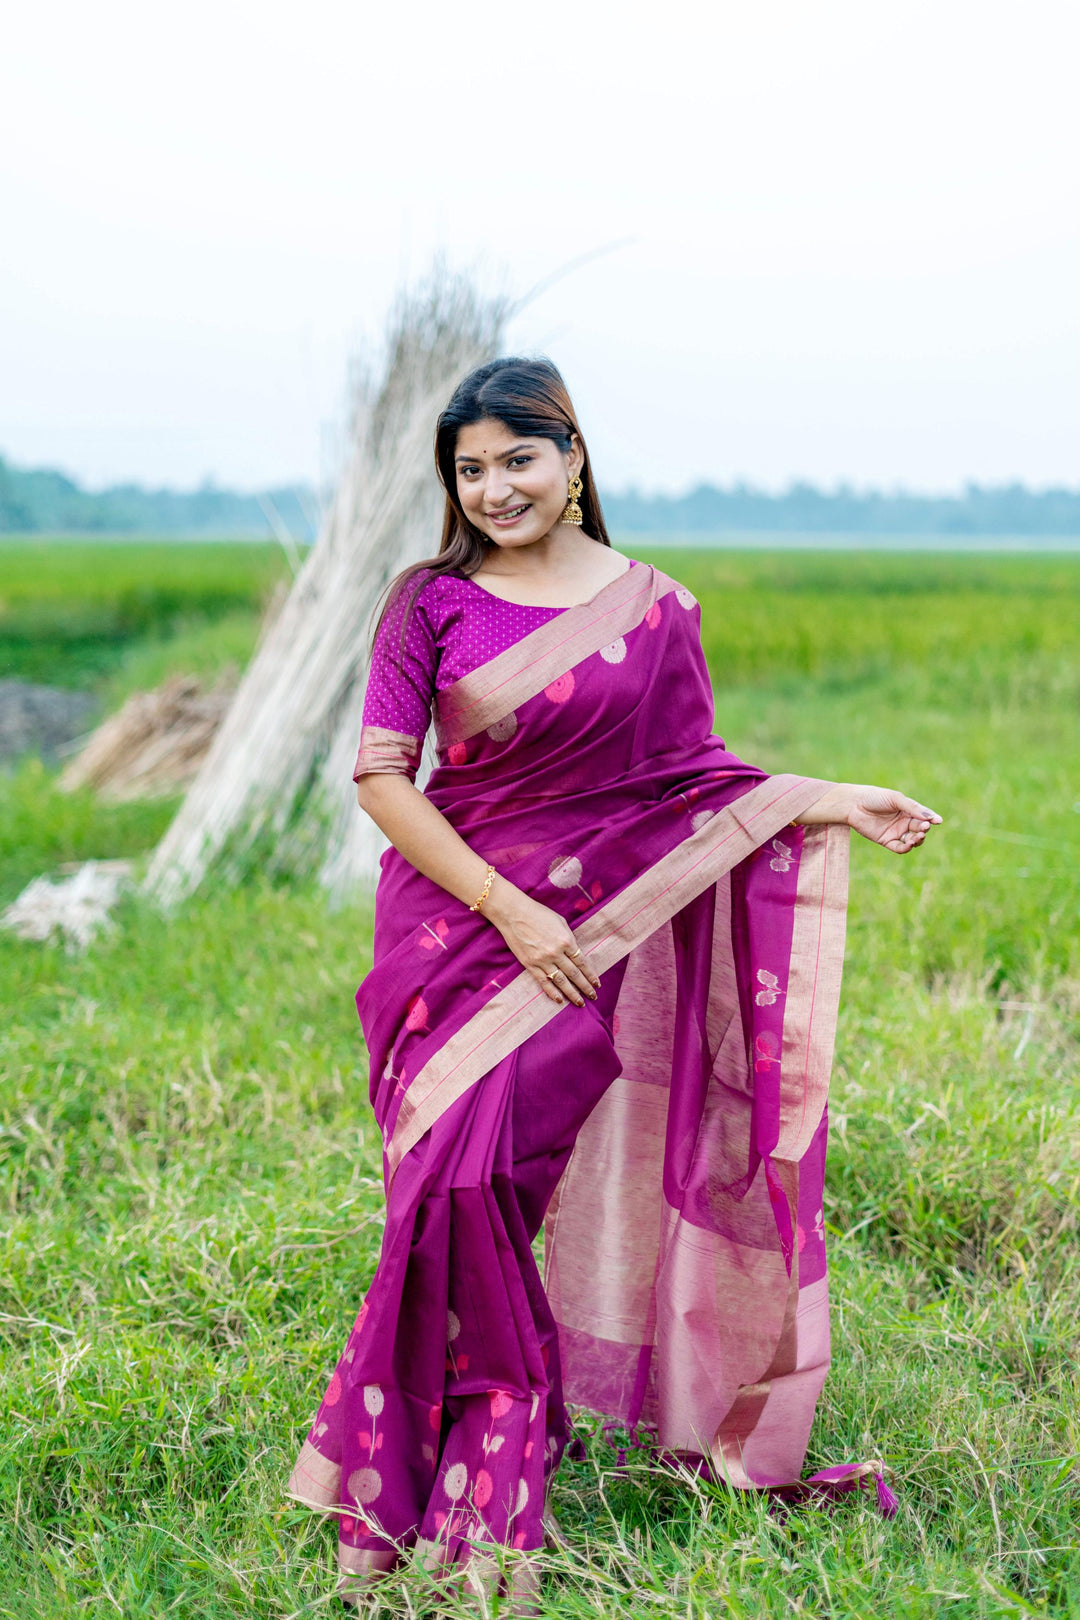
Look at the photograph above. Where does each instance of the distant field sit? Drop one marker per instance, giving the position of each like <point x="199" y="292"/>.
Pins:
<point x="190" y="1177"/>
<point x="847" y="540"/>
<point x="71" y="609"/>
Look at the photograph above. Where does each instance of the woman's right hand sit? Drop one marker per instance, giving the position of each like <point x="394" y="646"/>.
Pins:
<point x="539" y="938"/>
<point x="542" y="941"/>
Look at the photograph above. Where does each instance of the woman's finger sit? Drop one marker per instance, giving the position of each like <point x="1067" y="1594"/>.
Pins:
<point x="567" y="984"/>
<point x="921" y="812"/>
<point x="580" y="973"/>
<point x="579" y="981"/>
<point x="582" y="962"/>
<point x="549" y="987"/>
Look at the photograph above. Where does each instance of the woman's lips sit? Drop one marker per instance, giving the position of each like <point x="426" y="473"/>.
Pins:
<point x="510" y="516"/>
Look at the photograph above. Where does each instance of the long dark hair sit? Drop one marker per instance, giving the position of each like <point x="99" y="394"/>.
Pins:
<point x="530" y="398"/>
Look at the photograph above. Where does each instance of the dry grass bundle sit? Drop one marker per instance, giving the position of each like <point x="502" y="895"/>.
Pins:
<point x="155" y="744"/>
<point x="282" y="760"/>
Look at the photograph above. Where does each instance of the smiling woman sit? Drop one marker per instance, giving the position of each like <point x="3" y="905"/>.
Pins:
<point x="519" y="488"/>
<point x="520" y="483"/>
<point x="606" y="969"/>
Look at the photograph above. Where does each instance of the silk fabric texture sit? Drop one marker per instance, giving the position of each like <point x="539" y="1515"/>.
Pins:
<point x="669" y="1137"/>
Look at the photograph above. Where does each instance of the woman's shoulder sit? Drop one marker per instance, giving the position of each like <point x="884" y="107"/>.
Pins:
<point x="422" y="589"/>
<point x="436" y="602"/>
<point x="667" y="583"/>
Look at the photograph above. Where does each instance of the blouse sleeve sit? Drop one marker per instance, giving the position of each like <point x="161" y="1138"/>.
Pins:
<point x="400" y="689"/>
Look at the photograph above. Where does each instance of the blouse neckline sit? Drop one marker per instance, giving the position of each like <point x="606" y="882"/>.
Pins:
<point x="542" y="607"/>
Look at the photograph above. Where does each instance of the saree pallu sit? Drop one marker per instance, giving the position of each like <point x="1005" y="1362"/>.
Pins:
<point x="669" y="1137"/>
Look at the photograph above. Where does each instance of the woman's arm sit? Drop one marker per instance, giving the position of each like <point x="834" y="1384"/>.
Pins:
<point x="884" y="816"/>
<point x="539" y="938"/>
<point x="397" y="711"/>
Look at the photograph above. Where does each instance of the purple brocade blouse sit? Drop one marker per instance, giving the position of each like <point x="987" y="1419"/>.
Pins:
<point x="455" y="625"/>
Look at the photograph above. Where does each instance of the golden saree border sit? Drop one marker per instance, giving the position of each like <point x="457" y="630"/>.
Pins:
<point x="358" y="1566"/>
<point x="751" y="1401"/>
<point x="813" y="990"/>
<point x="599" y="1267"/>
<point x="521" y="1007"/>
<point x="513" y="676"/>
<point x="765" y="1431"/>
<point x="387" y="752"/>
<point x="316" y="1481"/>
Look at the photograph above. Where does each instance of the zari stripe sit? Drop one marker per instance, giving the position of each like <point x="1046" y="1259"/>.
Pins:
<point x="505" y="682"/>
<point x="315" y="1480"/>
<point x="817" y="951"/>
<point x="521" y="1007"/>
<point x="387" y="752"/>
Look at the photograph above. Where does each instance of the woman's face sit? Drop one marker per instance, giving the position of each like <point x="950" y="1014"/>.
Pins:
<point x="512" y="488"/>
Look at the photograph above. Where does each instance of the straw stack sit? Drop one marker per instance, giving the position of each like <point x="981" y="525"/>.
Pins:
<point x="155" y="744"/>
<point x="279" y="769"/>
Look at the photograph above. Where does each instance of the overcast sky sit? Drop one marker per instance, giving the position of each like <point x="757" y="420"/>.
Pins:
<point x="850" y="232"/>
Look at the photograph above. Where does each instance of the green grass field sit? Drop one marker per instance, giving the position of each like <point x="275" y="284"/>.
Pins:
<point x="74" y="612"/>
<point x="190" y="1180"/>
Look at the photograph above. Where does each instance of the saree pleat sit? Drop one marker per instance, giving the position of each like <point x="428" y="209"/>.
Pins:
<point x="447" y="1433"/>
<point x="669" y="1137"/>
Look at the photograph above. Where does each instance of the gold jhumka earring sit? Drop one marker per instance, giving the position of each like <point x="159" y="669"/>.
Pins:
<point x="572" y="512"/>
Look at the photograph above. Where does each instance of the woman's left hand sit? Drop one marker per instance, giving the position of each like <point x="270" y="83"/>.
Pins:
<point x="889" y="818"/>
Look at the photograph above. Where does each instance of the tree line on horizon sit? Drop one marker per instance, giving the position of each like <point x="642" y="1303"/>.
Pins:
<point x="45" y="501"/>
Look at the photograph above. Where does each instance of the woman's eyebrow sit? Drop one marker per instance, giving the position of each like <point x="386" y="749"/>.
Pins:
<point x="505" y="455"/>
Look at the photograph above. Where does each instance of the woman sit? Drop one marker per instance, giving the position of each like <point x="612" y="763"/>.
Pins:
<point x="606" y="967"/>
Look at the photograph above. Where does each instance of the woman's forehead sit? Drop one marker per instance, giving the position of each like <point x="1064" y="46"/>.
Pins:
<point x="489" y="439"/>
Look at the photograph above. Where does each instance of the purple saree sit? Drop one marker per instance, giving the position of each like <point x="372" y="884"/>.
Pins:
<point x="669" y="1138"/>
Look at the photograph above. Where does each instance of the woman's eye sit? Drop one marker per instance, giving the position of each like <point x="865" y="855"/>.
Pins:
<point x="521" y="460"/>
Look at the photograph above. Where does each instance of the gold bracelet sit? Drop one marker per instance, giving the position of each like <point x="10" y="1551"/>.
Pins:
<point x="478" y="903"/>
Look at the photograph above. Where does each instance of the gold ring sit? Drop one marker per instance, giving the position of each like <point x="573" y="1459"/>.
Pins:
<point x="574" y="953"/>
<point x="553" y="972"/>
